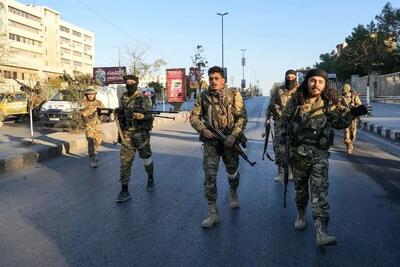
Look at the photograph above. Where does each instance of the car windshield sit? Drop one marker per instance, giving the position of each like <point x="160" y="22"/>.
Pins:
<point x="2" y="97"/>
<point x="67" y="96"/>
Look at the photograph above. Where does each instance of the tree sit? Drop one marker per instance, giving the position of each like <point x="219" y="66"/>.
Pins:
<point x="157" y="86"/>
<point x="138" y="65"/>
<point x="374" y="47"/>
<point x="200" y="63"/>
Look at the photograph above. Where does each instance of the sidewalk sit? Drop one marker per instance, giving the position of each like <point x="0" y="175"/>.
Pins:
<point x="384" y="120"/>
<point x="17" y="152"/>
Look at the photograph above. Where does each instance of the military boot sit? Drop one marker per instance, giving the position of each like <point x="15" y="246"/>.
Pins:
<point x="93" y="162"/>
<point x="322" y="236"/>
<point x="301" y="220"/>
<point x="233" y="186"/>
<point x="123" y="194"/>
<point x="280" y="175"/>
<point x="150" y="183"/>
<point x="350" y="148"/>
<point x="212" y="216"/>
<point x="234" y="199"/>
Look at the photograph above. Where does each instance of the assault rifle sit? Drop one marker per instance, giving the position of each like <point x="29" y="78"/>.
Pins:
<point x="236" y="147"/>
<point x="119" y="111"/>
<point x="266" y="136"/>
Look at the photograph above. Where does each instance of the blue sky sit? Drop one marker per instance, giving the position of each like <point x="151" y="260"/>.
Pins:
<point x="278" y="35"/>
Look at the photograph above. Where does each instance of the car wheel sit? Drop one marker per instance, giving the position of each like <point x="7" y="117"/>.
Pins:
<point x="1" y="116"/>
<point x="112" y="117"/>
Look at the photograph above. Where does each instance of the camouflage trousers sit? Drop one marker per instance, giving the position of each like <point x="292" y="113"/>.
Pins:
<point x="213" y="151"/>
<point x="94" y="137"/>
<point x="310" y="170"/>
<point x="137" y="141"/>
<point x="350" y="133"/>
<point x="279" y="148"/>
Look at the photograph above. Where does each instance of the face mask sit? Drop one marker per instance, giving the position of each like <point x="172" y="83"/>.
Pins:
<point x="290" y="84"/>
<point x="131" y="88"/>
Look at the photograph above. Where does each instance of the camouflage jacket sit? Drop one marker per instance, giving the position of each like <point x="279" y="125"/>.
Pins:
<point x="224" y="110"/>
<point x="140" y="102"/>
<point x="278" y="101"/>
<point x="89" y="112"/>
<point x="313" y="122"/>
<point x="350" y="100"/>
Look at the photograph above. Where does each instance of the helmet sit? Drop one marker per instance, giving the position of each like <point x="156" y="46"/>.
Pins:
<point x="346" y="88"/>
<point x="90" y="91"/>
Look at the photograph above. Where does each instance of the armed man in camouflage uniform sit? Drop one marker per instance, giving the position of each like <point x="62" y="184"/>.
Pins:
<point x="350" y="99"/>
<point x="93" y="131"/>
<point x="136" y="129"/>
<point x="314" y="111"/>
<point x="221" y="108"/>
<point x="277" y="103"/>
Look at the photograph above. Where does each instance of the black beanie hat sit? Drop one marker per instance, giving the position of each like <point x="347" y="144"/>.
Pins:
<point x="316" y="72"/>
<point x="290" y="72"/>
<point x="131" y="77"/>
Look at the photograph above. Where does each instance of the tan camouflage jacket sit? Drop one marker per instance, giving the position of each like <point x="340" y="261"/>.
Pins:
<point x="140" y="102"/>
<point x="229" y="113"/>
<point x="313" y="122"/>
<point x="89" y="112"/>
<point x="350" y="100"/>
<point x="278" y="101"/>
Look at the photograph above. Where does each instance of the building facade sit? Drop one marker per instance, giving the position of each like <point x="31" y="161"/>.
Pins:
<point x="40" y="44"/>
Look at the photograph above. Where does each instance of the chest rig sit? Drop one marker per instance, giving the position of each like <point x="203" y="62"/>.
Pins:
<point x="137" y="102"/>
<point x="311" y="125"/>
<point x="217" y="109"/>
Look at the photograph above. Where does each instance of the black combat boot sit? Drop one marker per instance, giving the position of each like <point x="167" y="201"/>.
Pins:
<point x="123" y="194"/>
<point x="150" y="178"/>
<point x="150" y="183"/>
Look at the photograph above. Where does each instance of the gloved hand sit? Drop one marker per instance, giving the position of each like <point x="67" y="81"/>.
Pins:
<point x="137" y="116"/>
<point x="229" y="141"/>
<point x="359" y="110"/>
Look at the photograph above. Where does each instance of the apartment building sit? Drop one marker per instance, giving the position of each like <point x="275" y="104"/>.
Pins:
<point x="40" y="44"/>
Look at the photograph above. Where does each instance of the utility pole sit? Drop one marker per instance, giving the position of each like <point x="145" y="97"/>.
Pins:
<point x="243" y="83"/>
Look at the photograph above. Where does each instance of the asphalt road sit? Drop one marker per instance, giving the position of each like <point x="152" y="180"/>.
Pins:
<point x="62" y="213"/>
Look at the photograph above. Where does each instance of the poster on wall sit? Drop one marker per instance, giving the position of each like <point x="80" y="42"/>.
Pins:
<point x="109" y="75"/>
<point x="176" y="86"/>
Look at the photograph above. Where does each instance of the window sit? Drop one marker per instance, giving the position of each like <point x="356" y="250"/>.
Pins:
<point x="77" y="63"/>
<point x="22" y="27"/>
<point x="88" y="38"/>
<point x="23" y="76"/>
<point x="7" y="74"/>
<point x="14" y="75"/>
<point x="78" y="34"/>
<point x="65" y="61"/>
<point x="64" y="40"/>
<point x="24" y="40"/>
<point x="77" y="54"/>
<point x="23" y="14"/>
<point x="76" y="44"/>
<point x="64" y="29"/>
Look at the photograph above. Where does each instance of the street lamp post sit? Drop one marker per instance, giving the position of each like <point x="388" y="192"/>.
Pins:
<point x="243" y="64"/>
<point x="222" y="17"/>
<point x="119" y="54"/>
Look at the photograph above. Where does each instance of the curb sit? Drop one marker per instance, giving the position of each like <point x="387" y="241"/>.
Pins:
<point x="386" y="132"/>
<point x="64" y="147"/>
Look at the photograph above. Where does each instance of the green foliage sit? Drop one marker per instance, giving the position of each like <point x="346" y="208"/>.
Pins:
<point x="373" y="47"/>
<point x="157" y="86"/>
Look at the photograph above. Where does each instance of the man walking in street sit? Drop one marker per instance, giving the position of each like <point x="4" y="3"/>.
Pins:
<point x="350" y="99"/>
<point x="277" y="103"/>
<point x="93" y="131"/>
<point x="224" y="109"/>
<point x="136" y="127"/>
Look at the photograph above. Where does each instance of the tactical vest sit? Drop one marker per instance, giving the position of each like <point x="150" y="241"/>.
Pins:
<point x="217" y="112"/>
<point x="92" y="105"/>
<point x="137" y="101"/>
<point x="311" y="126"/>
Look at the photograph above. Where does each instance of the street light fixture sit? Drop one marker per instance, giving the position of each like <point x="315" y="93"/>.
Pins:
<point x="222" y="18"/>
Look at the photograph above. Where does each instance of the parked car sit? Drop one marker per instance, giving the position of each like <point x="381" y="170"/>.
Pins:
<point x="13" y="105"/>
<point x="59" y="108"/>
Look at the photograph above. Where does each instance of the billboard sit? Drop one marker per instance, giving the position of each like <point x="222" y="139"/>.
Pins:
<point x="195" y="77"/>
<point x="109" y="75"/>
<point x="176" y="85"/>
